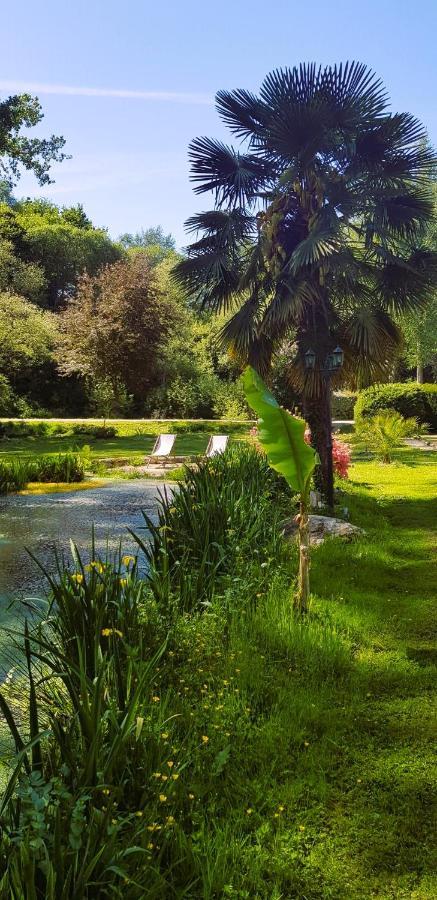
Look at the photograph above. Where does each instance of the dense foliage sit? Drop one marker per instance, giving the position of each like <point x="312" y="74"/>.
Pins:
<point x="410" y="400"/>
<point x="58" y="468"/>
<point x="227" y="749"/>
<point x="16" y="150"/>
<point x="383" y="433"/>
<point x="317" y="228"/>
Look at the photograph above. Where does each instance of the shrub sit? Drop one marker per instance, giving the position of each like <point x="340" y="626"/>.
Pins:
<point x="219" y="520"/>
<point x="341" y="458"/>
<point x="383" y="433"/>
<point x="99" y="432"/>
<point x="410" y="400"/>
<point x="343" y="404"/>
<point x="341" y="455"/>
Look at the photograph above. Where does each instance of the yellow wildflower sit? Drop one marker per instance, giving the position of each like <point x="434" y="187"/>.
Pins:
<point x="77" y="577"/>
<point x="191" y="796"/>
<point x="164" y="735"/>
<point x="123" y="582"/>
<point x="106" y="632"/>
<point x="170" y="820"/>
<point x="156" y="699"/>
<point x="162" y="798"/>
<point x="127" y="560"/>
<point x="170" y="763"/>
<point x="205" y="738"/>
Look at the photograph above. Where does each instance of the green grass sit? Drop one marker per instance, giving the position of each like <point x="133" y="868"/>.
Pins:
<point x="331" y="787"/>
<point x="121" y="446"/>
<point x="318" y="780"/>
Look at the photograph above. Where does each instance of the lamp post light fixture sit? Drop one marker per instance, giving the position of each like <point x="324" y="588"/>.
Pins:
<point x="331" y="365"/>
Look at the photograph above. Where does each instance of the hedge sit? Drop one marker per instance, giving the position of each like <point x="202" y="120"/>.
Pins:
<point x="418" y="400"/>
<point x="343" y="403"/>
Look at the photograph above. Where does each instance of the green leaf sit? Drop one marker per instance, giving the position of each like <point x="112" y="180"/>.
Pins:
<point x="281" y="435"/>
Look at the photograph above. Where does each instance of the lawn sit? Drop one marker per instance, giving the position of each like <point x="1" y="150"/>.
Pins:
<point x="191" y="440"/>
<point x="309" y="749"/>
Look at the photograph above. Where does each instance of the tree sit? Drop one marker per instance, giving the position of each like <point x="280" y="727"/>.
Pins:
<point x="116" y="327"/>
<point x="420" y="338"/>
<point x="34" y="154"/>
<point x="19" y="277"/>
<point x="27" y="338"/>
<point x="151" y="237"/>
<point x="62" y="242"/>
<point x="316" y="227"/>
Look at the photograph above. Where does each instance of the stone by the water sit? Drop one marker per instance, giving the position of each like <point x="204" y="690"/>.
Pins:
<point x="322" y="527"/>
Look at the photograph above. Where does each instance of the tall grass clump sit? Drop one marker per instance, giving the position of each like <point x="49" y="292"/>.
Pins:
<point x="90" y="806"/>
<point x="223" y="519"/>
<point x="61" y="467"/>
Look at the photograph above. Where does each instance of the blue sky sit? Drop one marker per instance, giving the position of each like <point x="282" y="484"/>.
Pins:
<point x="143" y="76"/>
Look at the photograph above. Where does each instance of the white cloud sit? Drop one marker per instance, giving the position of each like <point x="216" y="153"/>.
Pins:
<point x="36" y="87"/>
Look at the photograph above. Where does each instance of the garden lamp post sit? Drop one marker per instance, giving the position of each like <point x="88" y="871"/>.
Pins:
<point x="332" y="363"/>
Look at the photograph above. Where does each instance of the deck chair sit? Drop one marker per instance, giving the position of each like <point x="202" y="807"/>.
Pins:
<point x="162" y="447"/>
<point x="216" y="444"/>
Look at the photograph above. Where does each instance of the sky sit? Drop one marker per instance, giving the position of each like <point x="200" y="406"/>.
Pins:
<point x="129" y="85"/>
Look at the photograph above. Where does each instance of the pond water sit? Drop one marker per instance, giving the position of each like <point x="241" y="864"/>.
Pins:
<point x="46" y="523"/>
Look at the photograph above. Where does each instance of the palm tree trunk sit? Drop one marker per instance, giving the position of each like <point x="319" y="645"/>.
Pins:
<point x="317" y="411"/>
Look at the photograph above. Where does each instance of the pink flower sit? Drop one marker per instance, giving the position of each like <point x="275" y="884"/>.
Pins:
<point x="341" y="455"/>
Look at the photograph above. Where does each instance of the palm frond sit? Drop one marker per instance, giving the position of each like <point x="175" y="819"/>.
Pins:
<point x="404" y="283"/>
<point x="241" y="330"/>
<point x="241" y="111"/>
<point x="234" y="177"/>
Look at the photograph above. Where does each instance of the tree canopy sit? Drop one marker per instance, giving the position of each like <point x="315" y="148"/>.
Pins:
<point x="62" y="242"/>
<point x="116" y="326"/>
<point x="16" y="150"/>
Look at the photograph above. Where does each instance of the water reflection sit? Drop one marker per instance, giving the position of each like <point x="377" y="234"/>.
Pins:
<point x="46" y="523"/>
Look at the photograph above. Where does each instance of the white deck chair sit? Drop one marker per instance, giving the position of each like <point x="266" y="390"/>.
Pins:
<point x="163" y="446"/>
<point x="216" y="444"/>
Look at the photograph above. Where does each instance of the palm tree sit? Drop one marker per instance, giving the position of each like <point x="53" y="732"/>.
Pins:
<point x="316" y="227"/>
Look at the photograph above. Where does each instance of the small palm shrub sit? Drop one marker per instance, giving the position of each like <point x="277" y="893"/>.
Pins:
<point x="384" y="433"/>
<point x="219" y="522"/>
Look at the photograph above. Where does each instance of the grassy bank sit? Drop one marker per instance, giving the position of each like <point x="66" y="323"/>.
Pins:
<point x="17" y="472"/>
<point x="304" y="753"/>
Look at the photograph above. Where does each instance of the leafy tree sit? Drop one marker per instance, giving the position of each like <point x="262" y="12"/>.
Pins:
<point x="316" y="228"/>
<point x="35" y="154"/>
<point x="27" y="337"/>
<point x="117" y="326"/>
<point x="19" y="277"/>
<point x="420" y="338"/>
<point x="6" y="195"/>
<point x="62" y="242"/>
<point x="197" y="377"/>
<point x="149" y="237"/>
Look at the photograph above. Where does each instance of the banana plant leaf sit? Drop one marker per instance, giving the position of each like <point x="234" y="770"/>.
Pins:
<point x="280" y="434"/>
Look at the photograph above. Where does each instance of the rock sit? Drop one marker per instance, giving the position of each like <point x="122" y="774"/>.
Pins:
<point x="321" y="527"/>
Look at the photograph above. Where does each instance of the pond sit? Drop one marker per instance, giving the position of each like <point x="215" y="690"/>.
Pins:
<point x="46" y="523"/>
